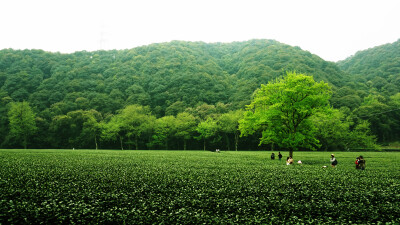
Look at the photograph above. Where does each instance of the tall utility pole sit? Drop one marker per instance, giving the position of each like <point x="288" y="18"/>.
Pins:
<point x="103" y="37"/>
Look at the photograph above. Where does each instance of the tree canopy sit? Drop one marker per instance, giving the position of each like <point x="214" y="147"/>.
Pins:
<point x="282" y="111"/>
<point x="22" y="122"/>
<point x="78" y="99"/>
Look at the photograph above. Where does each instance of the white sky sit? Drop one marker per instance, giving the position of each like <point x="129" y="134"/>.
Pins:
<point x="332" y="29"/>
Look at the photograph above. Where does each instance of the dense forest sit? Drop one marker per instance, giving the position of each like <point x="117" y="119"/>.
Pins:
<point x="186" y="95"/>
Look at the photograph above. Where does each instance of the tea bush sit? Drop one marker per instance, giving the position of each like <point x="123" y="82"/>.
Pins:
<point x="193" y="187"/>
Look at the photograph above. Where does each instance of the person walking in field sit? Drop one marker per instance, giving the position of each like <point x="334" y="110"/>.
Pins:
<point x="333" y="161"/>
<point x="361" y="163"/>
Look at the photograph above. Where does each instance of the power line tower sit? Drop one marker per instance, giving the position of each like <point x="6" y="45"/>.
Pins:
<point x="103" y="41"/>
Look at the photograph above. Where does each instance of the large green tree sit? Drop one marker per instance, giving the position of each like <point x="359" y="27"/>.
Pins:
<point x="137" y="120"/>
<point x="228" y="124"/>
<point x="207" y="129"/>
<point x="77" y="129"/>
<point x="91" y="127"/>
<point x="281" y="110"/>
<point x="185" y="127"/>
<point x="338" y="131"/>
<point x="113" y="130"/>
<point x="376" y="110"/>
<point x="164" y="130"/>
<point x="22" y="121"/>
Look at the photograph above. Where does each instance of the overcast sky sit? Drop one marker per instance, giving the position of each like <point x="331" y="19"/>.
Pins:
<point x="333" y="29"/>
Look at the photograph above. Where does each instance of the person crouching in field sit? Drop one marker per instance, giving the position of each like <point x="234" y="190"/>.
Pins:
<point x="357" y="163"/>
<point x="333" y="161"/>
<point x="273" y="156"/>
<point x="289" y="161"/>
<point x="361" y="162"/>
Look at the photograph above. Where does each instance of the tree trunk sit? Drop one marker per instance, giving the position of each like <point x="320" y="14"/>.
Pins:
<point x="204" y="144"/>
<point x="227" y="142"/>
<point x="95" y="140"/>
<point x="236" y="140"/>
<point x="136" y="143"/>
<point x="25" y="141"/>
<point x="184" y="144"/>
<point x="291" y="153"/>
<point x="120" y="140"/>
<point x="149" y="143"/>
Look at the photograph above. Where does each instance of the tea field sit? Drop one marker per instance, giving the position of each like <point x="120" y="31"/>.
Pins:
<point x="196" y="187"/>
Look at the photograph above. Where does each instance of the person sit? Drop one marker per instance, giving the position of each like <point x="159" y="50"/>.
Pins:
<point x="280" y="156"/>
<point x="357" y="163"/>
<point x="289" y="161"/>
<point x="333" y="161"/>
<point x="273" y="156"/>
<point x="361" y="162"/>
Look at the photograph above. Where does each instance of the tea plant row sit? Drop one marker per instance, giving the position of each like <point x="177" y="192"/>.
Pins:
<point x="143" y="187"/>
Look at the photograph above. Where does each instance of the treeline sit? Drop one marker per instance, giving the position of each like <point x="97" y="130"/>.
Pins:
<point x="205" y="127"/>
<point x="166" y="81"/>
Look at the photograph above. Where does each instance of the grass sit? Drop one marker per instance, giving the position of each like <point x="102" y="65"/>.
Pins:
<point x="92" y="187"/>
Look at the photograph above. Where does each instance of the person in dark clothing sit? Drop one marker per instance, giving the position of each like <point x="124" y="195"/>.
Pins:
<point x="333" y="161"/>
<point x="273" y="156"/>
<point x="280" y="156"/>
<point x="361" y="163"/>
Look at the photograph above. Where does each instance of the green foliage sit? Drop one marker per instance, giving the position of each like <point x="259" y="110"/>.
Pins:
<point x="376" y="110"/>
<point x="336" y="131"/>
<point x="183" y="73"/>
<point x="373" y="71"/>
<point x="164" y="130"/>
<point x="136" y="120"/>
<point x="22" y="122"/>
<point x="282" y="111"/>
<point x="228" y="124"/>
<point x="378" y="63"/>
<point x="182" y="187"/>
<point x="76" y="129"/>
<point x="132" y="122"/>
<point x="114" y="130"/>
<point x="205" y="80"/>
<point x="92" y="127"/>
<point x="185" y="127"/>
<point x="207" y="129"/>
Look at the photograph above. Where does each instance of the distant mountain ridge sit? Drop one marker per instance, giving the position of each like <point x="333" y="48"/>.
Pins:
<point x="157" y="75"/>
<point x="182" y="73"/>
<point x="194" y="77"/>
<point x="382" y="61"/>
<point x="377" y="68"/>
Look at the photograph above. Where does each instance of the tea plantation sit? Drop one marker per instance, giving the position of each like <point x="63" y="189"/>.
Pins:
<point x="195" y="187"/>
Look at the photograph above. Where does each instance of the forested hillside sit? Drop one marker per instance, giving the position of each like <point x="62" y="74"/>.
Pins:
<point x="373" y="90"/>
<point x="76" y="97"/>
<point x="375" y="63"/>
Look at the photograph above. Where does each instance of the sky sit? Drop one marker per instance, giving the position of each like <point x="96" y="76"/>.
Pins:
<point x="331" y="29"/>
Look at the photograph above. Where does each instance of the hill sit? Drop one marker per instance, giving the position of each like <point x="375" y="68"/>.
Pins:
<point x="378" y="67"/>
<point x="372" y="90"/>
<point x="158" y="75"/>
<point x="205" y="80"/>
